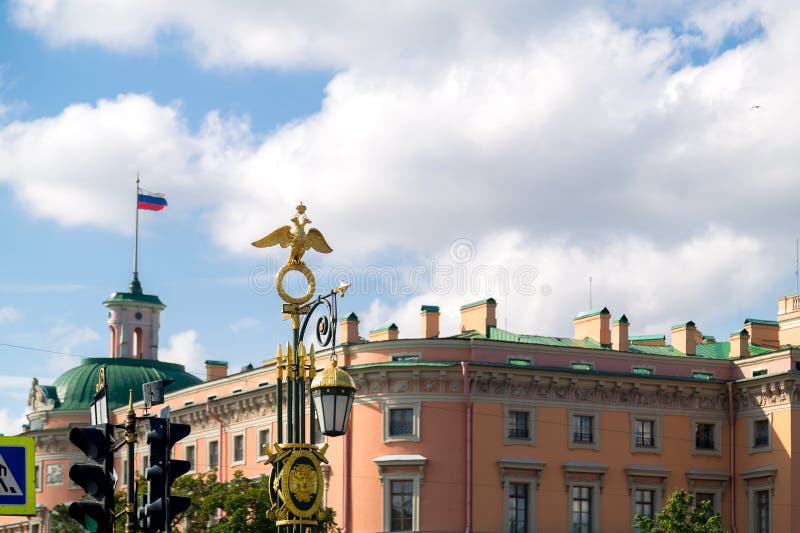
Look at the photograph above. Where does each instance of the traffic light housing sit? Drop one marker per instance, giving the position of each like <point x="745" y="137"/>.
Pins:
<point x="97" y="480"/>
<point x="159" y="506"/>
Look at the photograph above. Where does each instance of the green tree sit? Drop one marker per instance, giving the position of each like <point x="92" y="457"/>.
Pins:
<point x="62" y="522"/>
<point x="680" y="515"/>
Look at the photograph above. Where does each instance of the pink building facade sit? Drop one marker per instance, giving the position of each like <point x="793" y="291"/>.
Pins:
<point x="485" y="430"/>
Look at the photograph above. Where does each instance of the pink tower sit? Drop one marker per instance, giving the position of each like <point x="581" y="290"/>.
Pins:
<point x="133" y="322"/>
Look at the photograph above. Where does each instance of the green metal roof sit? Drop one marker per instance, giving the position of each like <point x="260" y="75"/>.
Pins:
<point x="689" y="324"/>
<point x="584" y="314"/>
<point x="503" y="335"/>
<point x="430" y="308"/>
<point x="134" y="295"/>
<point x="392" y="327"/>
<point x="717" y="350"/>
<point x="215" y="362"/>
<point x="621" y="319"/>
<point x="759" y="321"/>
<point x="479" y="302"/>
<point x="633" y="338"/>
<point x="352" y="317"/>
<point x="75" y="388"/>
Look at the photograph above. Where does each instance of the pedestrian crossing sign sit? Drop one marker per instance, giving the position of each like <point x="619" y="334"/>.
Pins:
<point x="17" y="483"/>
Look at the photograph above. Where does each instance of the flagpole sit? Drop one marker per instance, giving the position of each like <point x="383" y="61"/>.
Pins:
<point x="136" y="237"/>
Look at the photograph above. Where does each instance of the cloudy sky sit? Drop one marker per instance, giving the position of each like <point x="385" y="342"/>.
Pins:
<point x="448" y="152"/>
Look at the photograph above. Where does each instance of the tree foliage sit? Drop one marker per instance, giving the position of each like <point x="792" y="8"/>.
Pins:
<point x="680" y="515"/>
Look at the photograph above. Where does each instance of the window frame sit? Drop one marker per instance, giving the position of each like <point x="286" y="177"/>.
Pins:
<point x="243" y="460"/>
<point x="404" y="468"/>
<point x="595" y="428"/>
<point x="209" y="465"/>
<point x="518" y="408"/>
<point x="193" y="461"/>
<point x="37" y="477"/>
<point x="717" y="434"/>
<point x="524" y="471"/>
<point x="388" y="407"/>
<point x="260" y="452"/>
<point x="756" y="480"/>
<point x="657" y="437"/>
<point x="646" y="477"/>
<point x="578" y="474"/>
<point x="518" y="360"/>
<point x="751" y="437"/>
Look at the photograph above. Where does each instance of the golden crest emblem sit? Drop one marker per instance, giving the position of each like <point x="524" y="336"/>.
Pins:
<point x="303" y="482"/>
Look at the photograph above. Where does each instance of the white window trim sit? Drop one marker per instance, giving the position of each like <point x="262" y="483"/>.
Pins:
<point x="657" y="438"/>
<point x="186" y="445"/>
<point x="243" y="460"/>
<point x="531" y="411"/>
<point x="142" y="459"/>
<point x="388" y="405"/>
<point x="209" y="466"/>
<point x="717" y="422"/>
<point x="595" y="444"/>
<point x="516" y="470"/>
<point x="718" y="478"/>
<point x="408" y="357"/>
<point x="757" y="480"/>
<point x="646" y="477"/>
<point x="261" y="453"/>
<point x="38" y="479"/>
<point x="751" y="434"/>
<point x="759" y="369"/>
<point x="581" y="469"/>
<point x="407" y="463"/>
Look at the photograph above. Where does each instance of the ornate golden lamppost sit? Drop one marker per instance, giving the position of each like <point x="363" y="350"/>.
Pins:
<point x="296" y="482"/>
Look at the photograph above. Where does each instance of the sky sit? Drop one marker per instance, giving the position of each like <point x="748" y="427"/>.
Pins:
<point x="448" y="151"/>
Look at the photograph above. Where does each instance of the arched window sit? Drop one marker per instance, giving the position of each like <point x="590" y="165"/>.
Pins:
<point x="137" y="343"/>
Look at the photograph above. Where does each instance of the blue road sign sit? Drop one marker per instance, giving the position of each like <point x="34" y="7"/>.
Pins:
<point x="17" y="484"/>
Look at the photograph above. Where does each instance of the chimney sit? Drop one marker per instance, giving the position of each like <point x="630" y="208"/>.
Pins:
<point x="386" y="333"/>
<point x="788" y="321"/>
<point x="430" y="321"/>
<point x="766" y="333"/>
<point x="479" y="316"/>
<point x="594" y="325"/>
<point x="348" y="330"/>
<point x="216" y="369"/>
<point x="684" y="338"/>
<point x="740" y="344"/>
<point x="619" y="334"/>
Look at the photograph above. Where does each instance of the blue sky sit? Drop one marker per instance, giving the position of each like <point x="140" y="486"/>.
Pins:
<point x="447" y="152"/>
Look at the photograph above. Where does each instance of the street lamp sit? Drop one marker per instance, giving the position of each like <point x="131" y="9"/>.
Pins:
<point x="296" y="483"/>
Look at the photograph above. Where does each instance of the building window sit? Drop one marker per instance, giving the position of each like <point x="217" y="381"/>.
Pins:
<point x="37" y="478"/>
<point x="401" y="421"/>
<point x="645" y="433"/>
<point x="189" y="455"/>
<point x="702" y="375"/>
<point x="759" y="372"/>
<point x="700" y="497"/>
<point x="644" y="502"/>
<point x="35" y="528"/>
<point x="518" y="507"/>
<point x="213" y="454"/>
<point x="582" y="429"/>
<point x="762" y="511"/>
<point x="145" y="463"/>
<point x="402" y="494"/>
<point x="581" y="509"/>
<point x="124" y="473"/>
<point x="643" y="370"/>
<point x="406" y="357"/>
<point x="137" y="343"/>
<point x="520" y="361"/>
<point x="760" y="435"/>
<point x="263" y="442"/>
<point x="319" y="437"/>
<point x="582" y="366"/>
<point x="401" y="477"/>
<point x="706" y="437"/>
<point x="238" y="449"/>
<point x="518" y="425"/>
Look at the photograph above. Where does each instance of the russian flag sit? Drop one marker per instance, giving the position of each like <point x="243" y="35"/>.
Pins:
<point x="152" y="201"/>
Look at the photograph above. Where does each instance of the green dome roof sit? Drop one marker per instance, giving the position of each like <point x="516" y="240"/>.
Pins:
<point x="76" y="387"/>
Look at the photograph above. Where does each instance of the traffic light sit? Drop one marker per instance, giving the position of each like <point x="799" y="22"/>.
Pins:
<point x="98" y="480"/>
<point x="159" y="506"/>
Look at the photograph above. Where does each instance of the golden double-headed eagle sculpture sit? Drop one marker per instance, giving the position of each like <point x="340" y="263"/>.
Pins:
<point x="297" y="237"/>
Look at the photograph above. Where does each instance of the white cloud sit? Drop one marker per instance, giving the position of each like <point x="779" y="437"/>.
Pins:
<point x="245" y="324"/>
<point x="184" y="349"/>
<point x="575" y="132"/>
<point x="9" y="314"/>
<point x="10" y="423"/>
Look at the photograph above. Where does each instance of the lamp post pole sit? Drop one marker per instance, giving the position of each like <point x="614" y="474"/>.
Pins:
<point x="296" y="482"/>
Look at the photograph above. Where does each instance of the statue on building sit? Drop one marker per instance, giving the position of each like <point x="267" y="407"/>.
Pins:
<point x="37" y="398"/>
